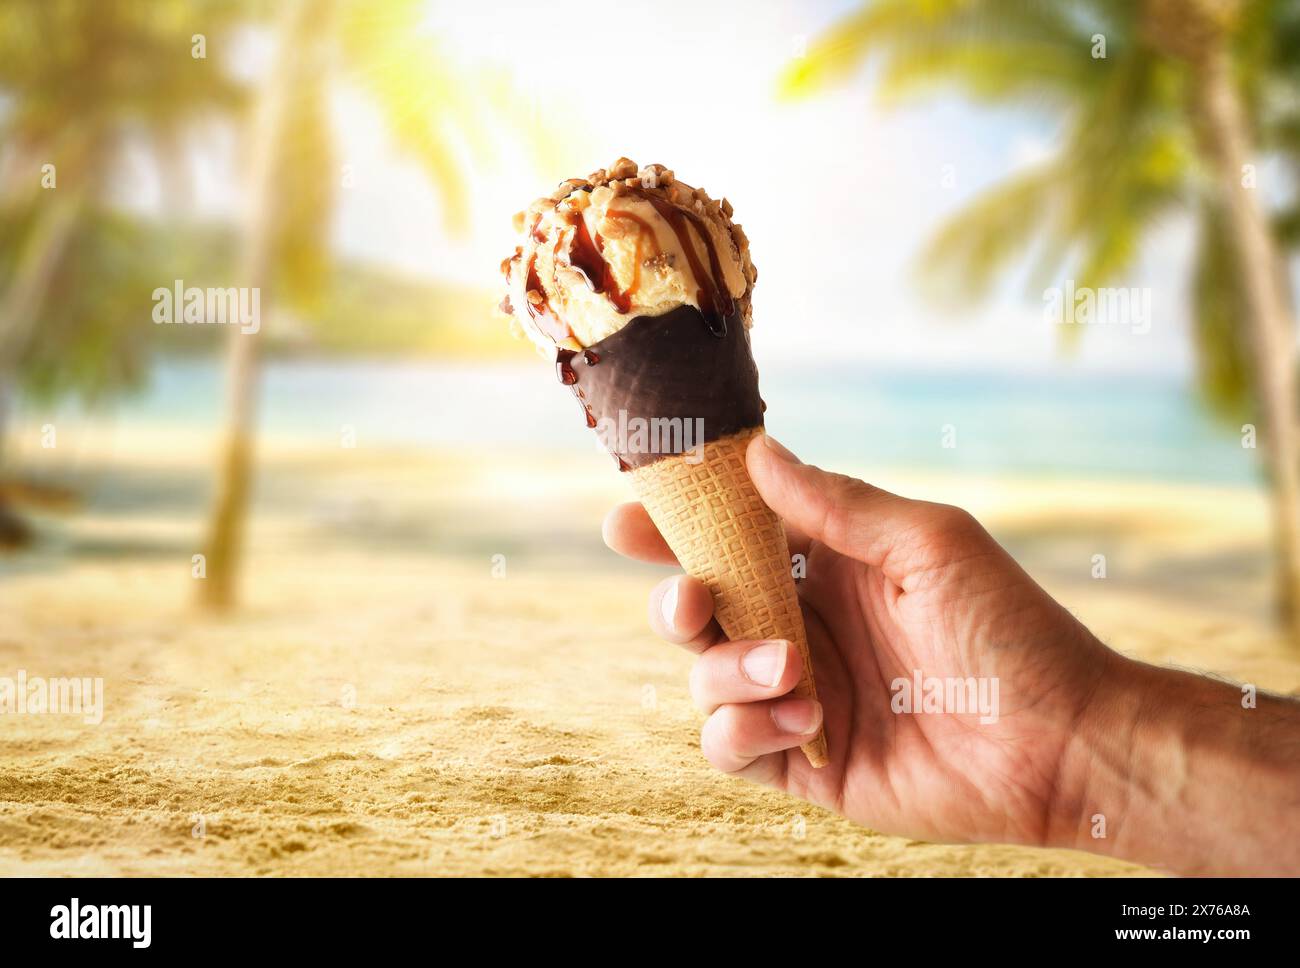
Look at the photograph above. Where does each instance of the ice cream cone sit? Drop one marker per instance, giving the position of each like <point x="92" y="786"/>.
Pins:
<point x="640" y="285"/>
<point x="716" y="523"/>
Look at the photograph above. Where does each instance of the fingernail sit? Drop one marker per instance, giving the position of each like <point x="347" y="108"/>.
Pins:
<point x="778" y="449"/>
<point x="797" y="716"/>
<point x="668" y="606"/>
<point x="763" y="664"/>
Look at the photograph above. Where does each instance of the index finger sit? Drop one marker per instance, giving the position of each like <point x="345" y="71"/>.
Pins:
<point x="629" y="531"/>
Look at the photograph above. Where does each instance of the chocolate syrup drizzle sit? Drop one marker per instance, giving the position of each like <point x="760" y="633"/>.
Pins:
<point x="715" y="301"/>
<point x="564" y="370"/>
<point x="586" y="255"/>
<point x="546" y="319"/>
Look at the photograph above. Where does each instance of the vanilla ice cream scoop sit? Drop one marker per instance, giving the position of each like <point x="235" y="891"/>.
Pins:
<point x="620" y="244"/>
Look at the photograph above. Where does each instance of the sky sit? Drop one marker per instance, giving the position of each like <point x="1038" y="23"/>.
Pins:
<point x="836" y="194"/>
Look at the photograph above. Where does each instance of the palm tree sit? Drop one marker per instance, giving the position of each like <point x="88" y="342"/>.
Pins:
<point x="386" y="51"/>
<point x="77" y="104"/>
<point x="1164" y="121"/>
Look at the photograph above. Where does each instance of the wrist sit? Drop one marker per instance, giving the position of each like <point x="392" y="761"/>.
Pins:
<point x="1170" y="769"/>
<point x="1094" y="780"/>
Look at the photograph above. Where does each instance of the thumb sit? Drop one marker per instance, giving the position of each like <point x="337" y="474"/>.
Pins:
<point x="854" y="518"/>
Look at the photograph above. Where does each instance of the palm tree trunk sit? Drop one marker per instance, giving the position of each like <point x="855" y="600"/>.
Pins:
<point x="224" y="545"/>
<point x="38" y="261"/>
<point x="20" y="311"/>
<point x="234" y="469"/>
<point x="1270" y="329"/>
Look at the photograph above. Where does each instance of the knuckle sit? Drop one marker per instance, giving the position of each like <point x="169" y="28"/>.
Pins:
<point x="952" y="523"/>
<point x="721" y="732"/>
<point x="949" y="535"/>
<point x="710" y="744"/>
<point x="845" y="495"/>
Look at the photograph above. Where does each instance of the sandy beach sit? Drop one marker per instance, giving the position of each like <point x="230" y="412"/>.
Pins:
<point x="441" y="670"/>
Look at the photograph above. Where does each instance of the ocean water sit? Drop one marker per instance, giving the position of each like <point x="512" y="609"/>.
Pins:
<point x="1076" y="424"/>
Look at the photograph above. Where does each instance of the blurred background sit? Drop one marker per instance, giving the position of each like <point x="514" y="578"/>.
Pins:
<point x="338" y="573"/>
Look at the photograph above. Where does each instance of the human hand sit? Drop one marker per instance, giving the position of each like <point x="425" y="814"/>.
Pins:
<point x="893" y="587"/>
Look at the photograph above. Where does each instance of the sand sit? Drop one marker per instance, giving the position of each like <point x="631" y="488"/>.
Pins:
<point x="389" y="702"/>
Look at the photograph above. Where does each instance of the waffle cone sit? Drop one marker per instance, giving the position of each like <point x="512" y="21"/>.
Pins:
<point x="712" y="517"/>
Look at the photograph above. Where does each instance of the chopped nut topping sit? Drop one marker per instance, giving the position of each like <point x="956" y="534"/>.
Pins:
<point x="623" y="168"/>
<point x="662" y="261"/>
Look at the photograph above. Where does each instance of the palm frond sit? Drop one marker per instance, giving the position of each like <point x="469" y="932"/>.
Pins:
<point x="426" y="106"/>
<point x="976" y="245"/>
<point x="993" y="48"/>
<point x="842" y="50"/>
<point x="1010" y="72"/>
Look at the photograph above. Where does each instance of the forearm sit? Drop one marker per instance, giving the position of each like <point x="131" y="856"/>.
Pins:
<point x="1172" y="770"/>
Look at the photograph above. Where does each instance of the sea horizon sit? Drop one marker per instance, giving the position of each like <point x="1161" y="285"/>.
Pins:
<point x="1076" y="423"/>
